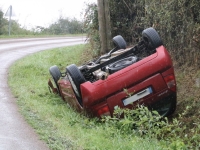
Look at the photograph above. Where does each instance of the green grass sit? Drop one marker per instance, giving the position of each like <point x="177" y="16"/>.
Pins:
<point x="55" y="122"/>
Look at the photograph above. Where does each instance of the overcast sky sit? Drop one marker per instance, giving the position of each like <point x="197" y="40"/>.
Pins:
<point x="30" y="13"/>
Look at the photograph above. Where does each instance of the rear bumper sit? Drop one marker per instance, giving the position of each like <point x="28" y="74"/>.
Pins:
<point x="165" y="105"/>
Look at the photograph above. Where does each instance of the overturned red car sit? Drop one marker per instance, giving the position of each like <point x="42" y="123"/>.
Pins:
<point x="124" y="77"/>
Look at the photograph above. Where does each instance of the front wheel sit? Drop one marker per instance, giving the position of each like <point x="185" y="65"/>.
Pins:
<point x="56" y="74"/>
<point x="76" y="79"/>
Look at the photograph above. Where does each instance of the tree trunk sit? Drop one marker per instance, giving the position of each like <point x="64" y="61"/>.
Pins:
<point x="104" y="25"/>
<point x="108" y="26"/>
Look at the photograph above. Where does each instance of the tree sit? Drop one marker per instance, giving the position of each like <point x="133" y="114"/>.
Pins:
<point x="66" y="26"/>
<point x="104" y="25"/>
<point x="3" y="23"/>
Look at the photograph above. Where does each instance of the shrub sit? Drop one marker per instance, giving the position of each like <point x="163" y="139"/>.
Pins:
<point x="145" y="123"/>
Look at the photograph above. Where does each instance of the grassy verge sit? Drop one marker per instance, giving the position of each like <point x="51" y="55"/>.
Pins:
<point x="55" y="122"/>
<point x="188" y="82"/>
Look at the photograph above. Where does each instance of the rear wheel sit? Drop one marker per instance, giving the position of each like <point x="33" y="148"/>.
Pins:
<point x="119" y="42"/>
<point x="165" y="107"/>
<point x="151" y="38"/>
<point x="56" y="74"/>
<point x="76" y="79"/>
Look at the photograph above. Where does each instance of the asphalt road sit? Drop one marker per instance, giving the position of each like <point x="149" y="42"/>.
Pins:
<point x="15" y="133"/>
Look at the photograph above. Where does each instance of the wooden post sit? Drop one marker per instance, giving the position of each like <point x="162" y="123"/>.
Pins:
<point x="104" y="25"/>
<point x="108" y="26"/>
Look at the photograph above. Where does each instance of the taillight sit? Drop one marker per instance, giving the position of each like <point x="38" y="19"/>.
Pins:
<point x="171" y="82"/>
<point x="104" y="111"/>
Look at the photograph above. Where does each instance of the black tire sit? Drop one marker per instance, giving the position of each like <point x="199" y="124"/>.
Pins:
<point x="166" y="107"/>
<point x="76" y="79"/>
<point x="119" y="42"/>
<point x="56" y="74"/>
<point x="173" y="107"/>
<point x="151" y="38"/>
<point x="120" y="64"/>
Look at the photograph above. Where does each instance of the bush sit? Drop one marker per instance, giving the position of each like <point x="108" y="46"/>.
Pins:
<point x="91" y="26"/>
<point x="145" y="123"/>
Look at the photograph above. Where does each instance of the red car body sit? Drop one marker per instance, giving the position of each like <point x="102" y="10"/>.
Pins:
<point x="101" y="97"/>
<point x="125" y="82"/>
